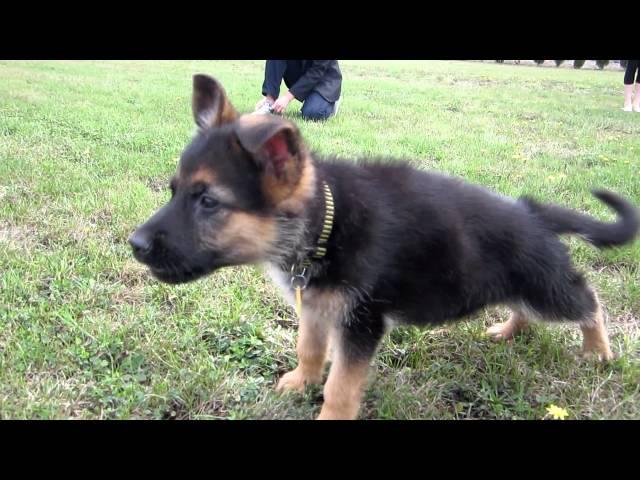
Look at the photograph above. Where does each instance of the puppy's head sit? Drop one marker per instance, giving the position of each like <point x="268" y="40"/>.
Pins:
<point x="237" y="183"/>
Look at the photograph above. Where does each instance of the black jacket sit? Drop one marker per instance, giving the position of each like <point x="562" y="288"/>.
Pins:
<point x="305" y="76"/>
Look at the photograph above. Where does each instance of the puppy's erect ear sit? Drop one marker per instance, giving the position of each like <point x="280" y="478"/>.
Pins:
<point x="276" y="146"/>
<point x="210" y="105"/>
<point x="271" y="140"/>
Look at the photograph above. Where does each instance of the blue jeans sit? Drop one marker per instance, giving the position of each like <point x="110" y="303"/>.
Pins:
<point x="315" y="107"/>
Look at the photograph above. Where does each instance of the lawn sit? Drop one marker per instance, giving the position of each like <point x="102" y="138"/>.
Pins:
<point x="86" y="152"/>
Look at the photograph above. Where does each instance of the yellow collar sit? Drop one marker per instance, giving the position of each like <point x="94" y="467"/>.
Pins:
<point x="299" y="272"/>
<point x="321" y="248"/>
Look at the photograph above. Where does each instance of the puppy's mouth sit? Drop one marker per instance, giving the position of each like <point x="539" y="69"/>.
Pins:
<point x="186" y="271"/>
<point x="169" y="266"/>
<point x="176" y="275"/>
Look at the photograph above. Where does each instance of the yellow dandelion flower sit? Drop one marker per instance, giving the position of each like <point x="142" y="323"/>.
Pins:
<point x="557" y="413"/>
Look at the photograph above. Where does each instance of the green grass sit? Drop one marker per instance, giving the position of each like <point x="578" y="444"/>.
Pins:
<point x="86" y="151"/>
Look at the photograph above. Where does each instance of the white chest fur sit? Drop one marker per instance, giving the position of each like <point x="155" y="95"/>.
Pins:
<point x="326" y="305"/>
<point x="282" y="280"/>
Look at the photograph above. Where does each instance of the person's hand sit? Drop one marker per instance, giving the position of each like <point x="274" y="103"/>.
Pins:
<point x="267" y="99"/>
<point x="282" y="102"/>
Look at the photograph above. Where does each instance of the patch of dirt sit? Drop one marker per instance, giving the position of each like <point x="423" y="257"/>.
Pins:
<point x="213" y="407"/>
<point x="177" y="410"/>
<point x="626" y="323"/>
<point x="475" y="82"/>
<point x="157" y="184"/>
<point x="529" y="116"/>
<point x="133" y="276"/>
<point x="102" y="218"/>
<point x="16" y="237"/>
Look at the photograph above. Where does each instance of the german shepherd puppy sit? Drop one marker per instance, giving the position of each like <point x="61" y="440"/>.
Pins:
<point x="397" y="245"/>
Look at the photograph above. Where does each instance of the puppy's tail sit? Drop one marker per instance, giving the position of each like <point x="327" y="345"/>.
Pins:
<point x="600" y="234"/>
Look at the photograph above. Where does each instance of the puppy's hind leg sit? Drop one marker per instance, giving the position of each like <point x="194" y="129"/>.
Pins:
<point x="595" y="340"/>
<point x="509" y="329"/>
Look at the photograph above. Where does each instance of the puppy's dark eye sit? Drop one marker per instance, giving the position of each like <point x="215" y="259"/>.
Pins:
<point x="207" y="202"/>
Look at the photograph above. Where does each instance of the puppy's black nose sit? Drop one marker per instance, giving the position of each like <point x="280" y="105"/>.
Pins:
<point x="141" y="242"/>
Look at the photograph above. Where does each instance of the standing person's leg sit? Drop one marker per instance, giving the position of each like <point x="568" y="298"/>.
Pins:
<point x="315" y="107"/>
<point x="628" y="84"/>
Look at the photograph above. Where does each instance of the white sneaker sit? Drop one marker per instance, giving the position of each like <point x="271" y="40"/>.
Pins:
<point x="636" y="109"/>
<point x="627" y="108"/>
<point x="336" y="106"/>
<point x="265" y="109"/>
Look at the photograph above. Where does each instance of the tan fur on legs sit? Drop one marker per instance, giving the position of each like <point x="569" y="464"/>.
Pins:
<point x="343" y="390"/>
<point x="313" y="336"/>
<point x="509" y="329"/>
<point x="321" y="311"/>
<point x="595" y="340"/>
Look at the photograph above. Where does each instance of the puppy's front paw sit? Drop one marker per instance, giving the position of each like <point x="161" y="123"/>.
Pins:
<point x="501" y="331"/>
<point x="346" y="413"/>
<point x="601" y="354"/>
<point x="295" y="381"/>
